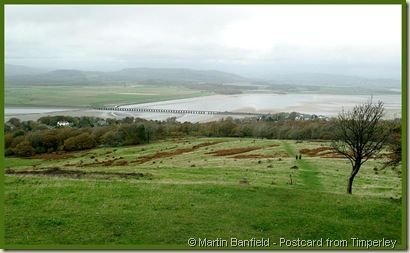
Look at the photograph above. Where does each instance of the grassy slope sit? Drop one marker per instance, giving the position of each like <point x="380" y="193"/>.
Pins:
<point x="93" y="95"/>
<point x="197" y="194"/>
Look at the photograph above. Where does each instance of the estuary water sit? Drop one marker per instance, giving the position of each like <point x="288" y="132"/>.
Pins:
<point x="327" y="105"/>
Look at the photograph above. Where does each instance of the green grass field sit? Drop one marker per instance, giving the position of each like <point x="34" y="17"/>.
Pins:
<point x="163" y="193"/>
<point x="84" y="96"/>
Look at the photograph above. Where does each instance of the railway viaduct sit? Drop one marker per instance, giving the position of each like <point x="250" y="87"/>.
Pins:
<point x="173" y="111"/>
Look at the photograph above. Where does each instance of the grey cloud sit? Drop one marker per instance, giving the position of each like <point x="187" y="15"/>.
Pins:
<point x="115" y="36"/>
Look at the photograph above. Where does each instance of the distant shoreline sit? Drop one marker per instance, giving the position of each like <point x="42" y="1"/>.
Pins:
<point x="247" y="103"/>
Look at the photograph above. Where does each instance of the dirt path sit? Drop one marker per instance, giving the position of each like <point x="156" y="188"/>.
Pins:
<point x="306" y="172"/>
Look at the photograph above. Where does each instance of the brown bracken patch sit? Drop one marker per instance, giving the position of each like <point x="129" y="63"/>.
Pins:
<point x="313" y="152"/>
<point x="148" y="158"/>
<point x="323" y="152"/>
<point x="205" y="144"/>
<point x="234" y="151"/>
<point x="334" y="155"/>
<point x="51" y="156"/>
<point x="251" y="156"/>
<point x="281" y="153"/>
<point x="121" y="163"/>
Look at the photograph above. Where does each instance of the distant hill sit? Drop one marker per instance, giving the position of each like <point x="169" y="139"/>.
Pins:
<point x="331" y="80"/>
<point x="178" y="74"/>
<point x="58" y="77"/>
<point x="18" y="70"/>
<point x="21" y="75"/>
<point x="78" y="77"/>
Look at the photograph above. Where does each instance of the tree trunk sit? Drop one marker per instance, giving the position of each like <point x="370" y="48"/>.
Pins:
<point x="355" y="170"/>
<point x="349" y="184"/>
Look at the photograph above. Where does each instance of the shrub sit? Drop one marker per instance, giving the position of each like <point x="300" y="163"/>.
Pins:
<point x="8" y="152"/>
<point x="24" y="149"/>
<point x="40" y="150"/>
<point x="79" y="142"/>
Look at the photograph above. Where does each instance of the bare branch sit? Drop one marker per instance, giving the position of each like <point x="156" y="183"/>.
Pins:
<point x="360" y="134"/>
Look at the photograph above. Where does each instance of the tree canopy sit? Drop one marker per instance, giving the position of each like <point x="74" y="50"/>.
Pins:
<point x="360" y="134"/>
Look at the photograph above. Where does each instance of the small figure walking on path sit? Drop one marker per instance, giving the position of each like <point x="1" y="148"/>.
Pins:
<point x="296" y="157"/>
<point x="300" y="157"/>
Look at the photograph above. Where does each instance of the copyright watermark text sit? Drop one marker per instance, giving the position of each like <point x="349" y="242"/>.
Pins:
<point x="232" y="242"/>
<point x="289" y="243"/>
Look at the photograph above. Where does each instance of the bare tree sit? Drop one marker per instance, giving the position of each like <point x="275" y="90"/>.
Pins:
<point x="359" y="135"/>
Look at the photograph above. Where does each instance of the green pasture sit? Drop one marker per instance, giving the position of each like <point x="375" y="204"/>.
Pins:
<point x="84" y="96"/>
<point x="197" y="188"/>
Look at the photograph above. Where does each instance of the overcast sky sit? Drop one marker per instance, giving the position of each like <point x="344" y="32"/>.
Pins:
<point x="250" y="40"/>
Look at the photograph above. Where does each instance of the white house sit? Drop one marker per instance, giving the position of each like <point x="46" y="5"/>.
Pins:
<point x="63" y="123"/>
